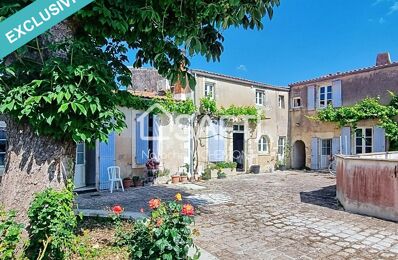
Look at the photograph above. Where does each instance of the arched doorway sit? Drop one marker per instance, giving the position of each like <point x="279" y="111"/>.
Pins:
<point x="298" y="161"/>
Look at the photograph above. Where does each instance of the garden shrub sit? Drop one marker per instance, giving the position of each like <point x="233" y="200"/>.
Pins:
<point x="10" y="234"/>
<point x="52" y="224"/>
<point x="206" y="175"/>
<point x="165" y="234"/>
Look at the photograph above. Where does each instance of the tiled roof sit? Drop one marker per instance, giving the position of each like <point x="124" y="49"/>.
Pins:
<point x="340" y="74"/>
<point x="145" y="94"/>
<point x="144" y="79"/>
<point x="238" y="80"/>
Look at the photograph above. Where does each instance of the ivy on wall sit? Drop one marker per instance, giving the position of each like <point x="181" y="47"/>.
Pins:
<point x="369" y="108"/>
<point x="187" y="107"/>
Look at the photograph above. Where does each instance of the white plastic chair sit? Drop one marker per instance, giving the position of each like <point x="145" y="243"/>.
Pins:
<point x="114" y="177"/>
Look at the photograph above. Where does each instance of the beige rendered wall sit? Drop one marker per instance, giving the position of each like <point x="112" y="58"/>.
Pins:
<point x="173" y="144"/>
<point x="355" y="87"/>
<point x="229" y="93"/>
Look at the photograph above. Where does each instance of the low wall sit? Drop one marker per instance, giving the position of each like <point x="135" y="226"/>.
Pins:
<point x="368" y="184"/>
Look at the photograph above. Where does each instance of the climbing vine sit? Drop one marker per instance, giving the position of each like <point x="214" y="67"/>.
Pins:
<point x="369" y="108"/>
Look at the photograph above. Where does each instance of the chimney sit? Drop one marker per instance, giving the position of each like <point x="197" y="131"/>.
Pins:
<point x="383" y="59"/>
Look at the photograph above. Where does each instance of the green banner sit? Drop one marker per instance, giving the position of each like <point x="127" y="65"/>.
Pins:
<point x="33" y="20"/>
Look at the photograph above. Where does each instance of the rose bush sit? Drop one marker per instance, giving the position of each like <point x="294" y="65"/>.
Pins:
<point x="165" y="234"/>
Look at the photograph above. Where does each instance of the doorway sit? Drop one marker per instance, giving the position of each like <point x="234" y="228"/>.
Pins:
<point x="298" y="155"/>
<point x="238" y="155"/>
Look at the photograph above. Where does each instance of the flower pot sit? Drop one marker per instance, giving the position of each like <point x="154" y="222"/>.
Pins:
<point x="183" y="178"/>
<point x="127" y="182"/>
<point x="175" y="179"/>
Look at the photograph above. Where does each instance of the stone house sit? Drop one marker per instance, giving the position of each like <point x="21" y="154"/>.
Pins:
<point x="170" y="138"/>
<point x="241" y="142"/>
<point x="312" y="143"/>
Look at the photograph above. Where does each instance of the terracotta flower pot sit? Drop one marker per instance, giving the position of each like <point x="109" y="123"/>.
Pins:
<point x="175" y="179"/>
<point x="127" y="182"/>
<point x="183" y="178"/>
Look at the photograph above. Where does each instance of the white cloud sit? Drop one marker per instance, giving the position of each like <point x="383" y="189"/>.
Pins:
<point x="393" y="8"/>
<point x="241" y="67"/>
<point x="382" y="20"/>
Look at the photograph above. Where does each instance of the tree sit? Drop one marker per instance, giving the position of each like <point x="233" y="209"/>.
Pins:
<point x="63" y="86"/>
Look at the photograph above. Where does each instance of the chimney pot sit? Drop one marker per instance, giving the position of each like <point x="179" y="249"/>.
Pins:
<point x="383" y="59"/>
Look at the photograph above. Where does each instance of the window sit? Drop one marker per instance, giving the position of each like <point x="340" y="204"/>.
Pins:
<point x="281" y="145"/>
<point x="326" y="146"/>
<point x="296" y="102"/>
<point x="3" y="146"/>
<point x="209" y="90"/>
<point x="263" y="144"/>
<point x="281" y="101"/>
<point x="363" y="140"/>
<point x="325" y="96"/>
<point x="259" y="98"/>
<point x="80" y="153"/>
<point x="239" y="128"/>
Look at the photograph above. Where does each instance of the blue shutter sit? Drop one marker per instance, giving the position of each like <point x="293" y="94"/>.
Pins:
<point x="141" y="142"/>
<point x="155" y="141"/>
<point x="336" y="93"/>
<point x="213" y="141"/>
<point x="221" y="142"/>
<point x="346" y="140"/>
<point x="311" y="97"/>
<point x="314" y="153"/>
<point x="336" y="146"/>
<point x="379" y="140"/>
<point x="106" y="159"/>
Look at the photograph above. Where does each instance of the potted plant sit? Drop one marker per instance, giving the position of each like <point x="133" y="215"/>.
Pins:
<point x="127" y="182"/>
<point x="137" y="181"/>
<point x="175" y="178"/>
<point x="183" y="177"/>
<point x="206" y="175"/>
<point x="221" y="175"/>
<point x="280" y="165"/>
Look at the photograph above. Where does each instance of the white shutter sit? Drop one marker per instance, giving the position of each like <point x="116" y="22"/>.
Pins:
<point x="314" y="153"/>
<point x="311" y="97"/>
<point x="336" y="93"/>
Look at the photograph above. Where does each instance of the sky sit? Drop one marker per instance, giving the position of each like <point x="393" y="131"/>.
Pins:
<point x="310" y="38"/>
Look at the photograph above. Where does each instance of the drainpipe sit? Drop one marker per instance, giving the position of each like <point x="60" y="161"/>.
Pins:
<point x="191" y="133"/>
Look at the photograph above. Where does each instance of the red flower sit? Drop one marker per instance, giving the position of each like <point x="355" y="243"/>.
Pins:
<point x="159" y="222"/>
<point x="154" y="203"/>
<point x="117" y="209"/>
<point x="142" y="210"/>
<point x="188" y="210"/>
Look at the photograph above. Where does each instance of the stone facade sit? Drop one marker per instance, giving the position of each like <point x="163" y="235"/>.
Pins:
<point x="318" y="140"/>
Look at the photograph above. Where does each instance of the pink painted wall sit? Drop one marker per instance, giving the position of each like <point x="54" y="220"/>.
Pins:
<point x="368" y="185"/>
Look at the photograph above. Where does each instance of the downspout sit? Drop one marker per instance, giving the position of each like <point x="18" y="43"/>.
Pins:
<point x="191" y="133"/>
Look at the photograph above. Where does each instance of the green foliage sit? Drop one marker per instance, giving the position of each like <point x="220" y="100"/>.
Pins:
<point x="10" y="234"/>
<point x="221" y="175"/>
<point x="208" y="106"/>
<point x="206" y="175"/>
<point x="52" y="224"/>
<point x="168" y="103"/>
<point x="369" y="108"/>
<point x="225" y="165"/>
<point x="164" y="235"/>
<point x="68" y="87"/>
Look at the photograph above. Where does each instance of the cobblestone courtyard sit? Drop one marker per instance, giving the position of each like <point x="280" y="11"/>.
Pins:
<point x="290" y="215"/>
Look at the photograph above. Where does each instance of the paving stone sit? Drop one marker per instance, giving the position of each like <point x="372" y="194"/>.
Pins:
<point x="284" y="215"/>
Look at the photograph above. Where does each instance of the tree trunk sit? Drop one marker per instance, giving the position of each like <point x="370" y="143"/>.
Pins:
<point x="33" y="163"/>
